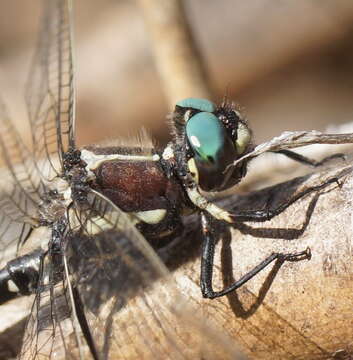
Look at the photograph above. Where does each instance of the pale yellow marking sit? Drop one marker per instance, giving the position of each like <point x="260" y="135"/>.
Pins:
<point x="151" y="216"/>
<point x="193" y="170"/>
<point x="243" y="139"/>
<point x="202" y="203"/>
<point x="93" y="160"/>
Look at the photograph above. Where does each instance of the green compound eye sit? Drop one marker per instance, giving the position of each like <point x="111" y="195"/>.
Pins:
<point x="213" y="151"/>
<point x="197" y="104"/>
<point x="206" y="135"/>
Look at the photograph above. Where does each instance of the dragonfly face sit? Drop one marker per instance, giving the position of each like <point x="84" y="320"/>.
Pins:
<point x="212" y="138"/>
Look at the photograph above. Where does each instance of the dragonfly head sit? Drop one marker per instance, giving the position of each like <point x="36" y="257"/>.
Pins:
<point x="213" y="138"/>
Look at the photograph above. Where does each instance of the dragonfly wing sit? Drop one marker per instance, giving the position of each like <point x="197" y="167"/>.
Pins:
<point x="20" y="188"/>
<point x="50" y="89"/>
<point x="131" y="305"/>
<point x="52" y="330"/>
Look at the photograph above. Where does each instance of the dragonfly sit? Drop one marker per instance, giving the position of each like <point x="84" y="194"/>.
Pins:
<point x="79" y="223"/>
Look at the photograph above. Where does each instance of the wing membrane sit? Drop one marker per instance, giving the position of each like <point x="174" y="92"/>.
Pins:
<point x="50" y="90"/>
<point x="49" y="98"/>
<point x="20" y="187"/>
<point x="50" y="331"/>
<point x="128" y="296"/>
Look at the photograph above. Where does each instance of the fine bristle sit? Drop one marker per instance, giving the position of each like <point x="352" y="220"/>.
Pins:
<point x="230" y="105"/>
<point x="141" y="140"/>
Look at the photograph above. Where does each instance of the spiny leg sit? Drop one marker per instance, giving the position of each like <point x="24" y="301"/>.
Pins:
<point x="241" y="216"/>
<point x="233" y="217"/>
<point x="307" y="161"/>
<point x="268" y="214"/>
<point x="208" y="251"/>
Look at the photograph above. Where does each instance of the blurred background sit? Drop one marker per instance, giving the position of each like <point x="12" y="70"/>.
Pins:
<point x="289" y="64"/>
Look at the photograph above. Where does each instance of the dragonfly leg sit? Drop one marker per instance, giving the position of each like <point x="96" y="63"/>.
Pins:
<point x="208" y="252"/>
<point x="233" y="217"/>
<point x="268" y="214"/>
<point x="307" y="161"/>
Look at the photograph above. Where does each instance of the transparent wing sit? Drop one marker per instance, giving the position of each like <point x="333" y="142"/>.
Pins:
<point x="50" y="331"/>
<point x="114" y="299"/>
<point x="20" y="188"/>
<point x="130" y="302"/>
<point x="50" y="89"/>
